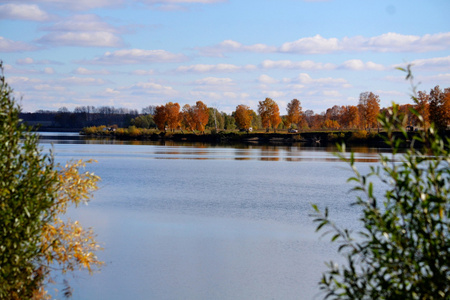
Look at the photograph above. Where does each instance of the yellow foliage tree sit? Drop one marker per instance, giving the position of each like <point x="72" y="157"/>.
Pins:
<point x="243" y="116"/>
<point x="270" y="114"/>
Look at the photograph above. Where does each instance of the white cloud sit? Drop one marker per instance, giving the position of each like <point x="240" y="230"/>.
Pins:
<point x="143" y="72"/>
<point x="429" y="64"/>
<point x="82" y="23"/>
<point x="266" y="79"/>
<point x="172" y="5"/>
<point x="84" y="71"/>
<point x="49" y="70"/>
<point x="312" y="45"/>
<point x="359" y="65"/>
<point x="205" y="95"/>
<point x="214" y="81"/>
<point x="23" y="12"/>
<point x="181" y="1"/>
<point x="203" y="68"/>
<point x="137" y="56"/>
<point x="274" y="94"/>
<point x="7" y="45"/>
<point x="74" y="5"/>
<point x="151" y="88"/>
<point x="80" y="5"/>
<point x="388" y="42"/>
<point x="288" y="64"/>
<point x="331" y="93"/>
<point x="82" y="39"/>
<point x="233" y="46"/>
<point x="111" y="91"/>
<point x="31" y="61"/>
<point x="306" y="79"/>
<point x="82" y="81"/>
<point x="49" y="88"/>
<point x="297" y="86"/>
<point x="22" y="80"/>
<point x="438" y="79"/>
<point x="235" y="95"/>
<point x="82" y="30"/>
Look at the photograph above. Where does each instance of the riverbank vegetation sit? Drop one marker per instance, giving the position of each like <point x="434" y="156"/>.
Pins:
<point x="198" y="118"/>
<point x="401" y="252"/>
<point x="36" y="241"/>
<point x="352" y="124"/>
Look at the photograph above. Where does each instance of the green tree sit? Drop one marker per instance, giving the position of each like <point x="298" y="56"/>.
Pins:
<point x="143" y="121"/>
<point x="402" y="250"/>
<point x="34" y="193"/>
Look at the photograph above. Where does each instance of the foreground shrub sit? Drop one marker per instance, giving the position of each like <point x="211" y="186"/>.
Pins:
<point x="402" y="251"/>
<point x="34" y="193"/>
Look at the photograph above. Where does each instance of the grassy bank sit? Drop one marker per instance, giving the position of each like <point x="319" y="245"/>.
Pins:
<point x="372" y="138"/>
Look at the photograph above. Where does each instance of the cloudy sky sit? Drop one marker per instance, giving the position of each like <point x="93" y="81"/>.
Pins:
<point x="135" y="53"/>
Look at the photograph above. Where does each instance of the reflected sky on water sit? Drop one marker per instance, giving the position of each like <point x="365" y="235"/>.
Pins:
<point x="195" y="221"/>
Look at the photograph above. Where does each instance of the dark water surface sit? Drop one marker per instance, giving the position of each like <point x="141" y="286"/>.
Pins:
<point x="204" y="222"/>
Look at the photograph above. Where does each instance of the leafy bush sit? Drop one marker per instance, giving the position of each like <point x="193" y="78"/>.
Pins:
<point x="34" y="193"/>
<point x="402" y="250"/>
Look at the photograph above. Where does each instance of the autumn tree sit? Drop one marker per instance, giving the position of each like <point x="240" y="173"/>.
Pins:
<point x="405" y="111"/>
<point x="294" y="113"/>
<point x="270" y="114"/>
<point x="173" y="115"/>
<point x="195" y="117"/>
<point x="334" y="113"/>
<point x="160" y="117"/>
<point x="440" y="107"/>
<point x="330" y="124"/>
<point x="369" y="107"/>
<point x="422" y="107"/>
<point x="308" y="115"/>
<point x="243" y="117"/>
<point x="35" y="192"/>
<point x="201" y="114"/>
<point x="349" y="116"/>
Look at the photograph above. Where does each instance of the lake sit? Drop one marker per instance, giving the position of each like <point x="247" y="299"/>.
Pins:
<point x="195" y="221"/>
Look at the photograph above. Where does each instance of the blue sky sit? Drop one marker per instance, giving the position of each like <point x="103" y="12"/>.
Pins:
<point x="135" y="53"/>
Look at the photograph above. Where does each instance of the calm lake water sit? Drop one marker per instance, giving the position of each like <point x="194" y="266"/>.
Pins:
<point x="209" y="222"/>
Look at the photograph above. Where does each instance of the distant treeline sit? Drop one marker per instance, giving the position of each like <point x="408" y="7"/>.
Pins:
<point x="83" y="116"/>
<point x="434" y="107"/>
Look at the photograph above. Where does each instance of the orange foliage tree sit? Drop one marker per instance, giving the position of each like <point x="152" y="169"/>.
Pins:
<point x="173" y="115"/>
<point x="440" y="107"/>
<point x="270" y="114"/>
<point x="160" y="117"/>
<point x="243" y="116"/>
<point x="349" y="116"/>
<point x="195" y="117"/>
<point x="369" y="107"/>
<point x="294" y="112"/>
<point x="423" y="108"/>
<point x="187" y="116"/>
